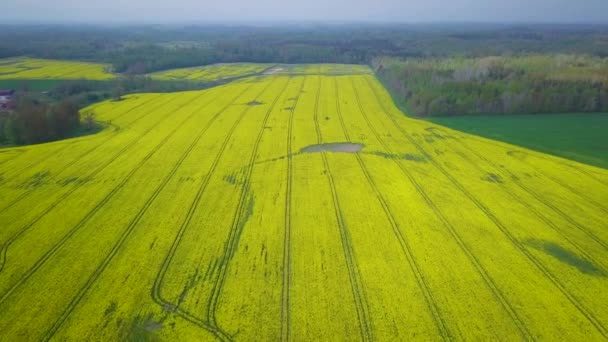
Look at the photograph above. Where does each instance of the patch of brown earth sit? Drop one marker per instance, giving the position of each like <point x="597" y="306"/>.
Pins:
<point x="344" y="147"/>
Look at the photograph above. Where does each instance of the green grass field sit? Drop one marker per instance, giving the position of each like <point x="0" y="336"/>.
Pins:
<point x="580" y="137"/>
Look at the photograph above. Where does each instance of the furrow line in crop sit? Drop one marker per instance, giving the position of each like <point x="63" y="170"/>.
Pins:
<point x="237" y="226"/>
<point x="452" y="230"/>
<point x="596" y="323"/>
<point x="286" y="284"/>
<point x="66" y="144"/>
<point x="20" y="232"/>
<point x="125" y="234"/>
<point x="353" y="271"/>
<point x="406" y="249"/>
<point x="156" y="292"/>
<point x="88" y="216"/>
<point x="72" y="162"/>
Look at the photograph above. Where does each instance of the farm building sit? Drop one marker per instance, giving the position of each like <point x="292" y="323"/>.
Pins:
<point x="7" y="99"/>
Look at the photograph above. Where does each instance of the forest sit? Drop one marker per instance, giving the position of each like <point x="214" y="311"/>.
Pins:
<point x="497" y="85"/>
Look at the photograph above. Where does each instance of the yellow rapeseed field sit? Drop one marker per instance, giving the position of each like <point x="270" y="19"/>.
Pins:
<point x="296" y="208"/>
<point x="212" y="72"/>
<point x="32" y="68"/>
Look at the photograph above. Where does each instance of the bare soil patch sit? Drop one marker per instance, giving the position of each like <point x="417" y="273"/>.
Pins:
<point x="344" y="147"/>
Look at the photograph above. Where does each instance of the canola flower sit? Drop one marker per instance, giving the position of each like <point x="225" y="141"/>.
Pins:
<point x="33" y="68"/>
<point x="196" y="216"/>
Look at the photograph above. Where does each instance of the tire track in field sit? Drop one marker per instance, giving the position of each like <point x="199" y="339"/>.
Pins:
<point x="536" y="213"/>
<point x="286" y="283"/>
<point x="357" y="286"/>
<point x="156" y="292"/>
<point x="66" y="144"/>
<point x="76" y="159"/>
<point x="569" y="188"/>
<point x="237" y="226"/>
<point x="565" y="161"/>
<point x="127" y="232"/>
<point x="539" y="198"/>
<point x="20" y="232"/>
<point x="453" y="232"/>
<point x="405" y="247"/>
<point x="588" y="315"/>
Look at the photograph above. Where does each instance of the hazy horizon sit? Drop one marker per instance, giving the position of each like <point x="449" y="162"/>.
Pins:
<point x="269" y="11"/>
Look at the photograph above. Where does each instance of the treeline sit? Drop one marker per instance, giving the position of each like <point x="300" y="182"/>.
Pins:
<point x="54" y="114"/>
<point x="497" y="85"/>
<point x="36" y="122"/>
<point x="141" y="49"/>
<point x="149" y="58"/>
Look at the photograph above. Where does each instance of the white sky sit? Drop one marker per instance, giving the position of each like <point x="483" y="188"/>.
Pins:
<point x="157" y="11"/>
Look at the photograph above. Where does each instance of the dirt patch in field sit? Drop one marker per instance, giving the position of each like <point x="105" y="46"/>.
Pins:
<point x="566" y="256"/>
<point x="492" y="178"/>
<point x="404" y="156"/>
<point x="344" y="147"/>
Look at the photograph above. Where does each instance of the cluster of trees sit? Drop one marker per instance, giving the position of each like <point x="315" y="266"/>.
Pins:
<point x="497" y="85"/>
<point x="36" y="122"/>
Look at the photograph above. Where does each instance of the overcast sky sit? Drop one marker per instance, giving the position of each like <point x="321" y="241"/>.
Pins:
<point x="160" y="11"/>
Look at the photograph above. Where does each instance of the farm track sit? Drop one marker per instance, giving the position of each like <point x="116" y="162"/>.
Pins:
<point x="539" y="198"/>
<point x="126" y="233"/>
<point x="81" y="223"/>
<point x="21" y="231"/>
<point x="553" y="159"/>
<point x="572" y="190"/>
<point x="422" y="285"/>
<point x="535" y="262"/>
<point x="453" y="231"/>
<point x="156" y="290"/>
<point x="357" y="286"/>
<point x="74" y="160"/>
<point x="236" y="228"/>
<point x="286" y="281"/>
